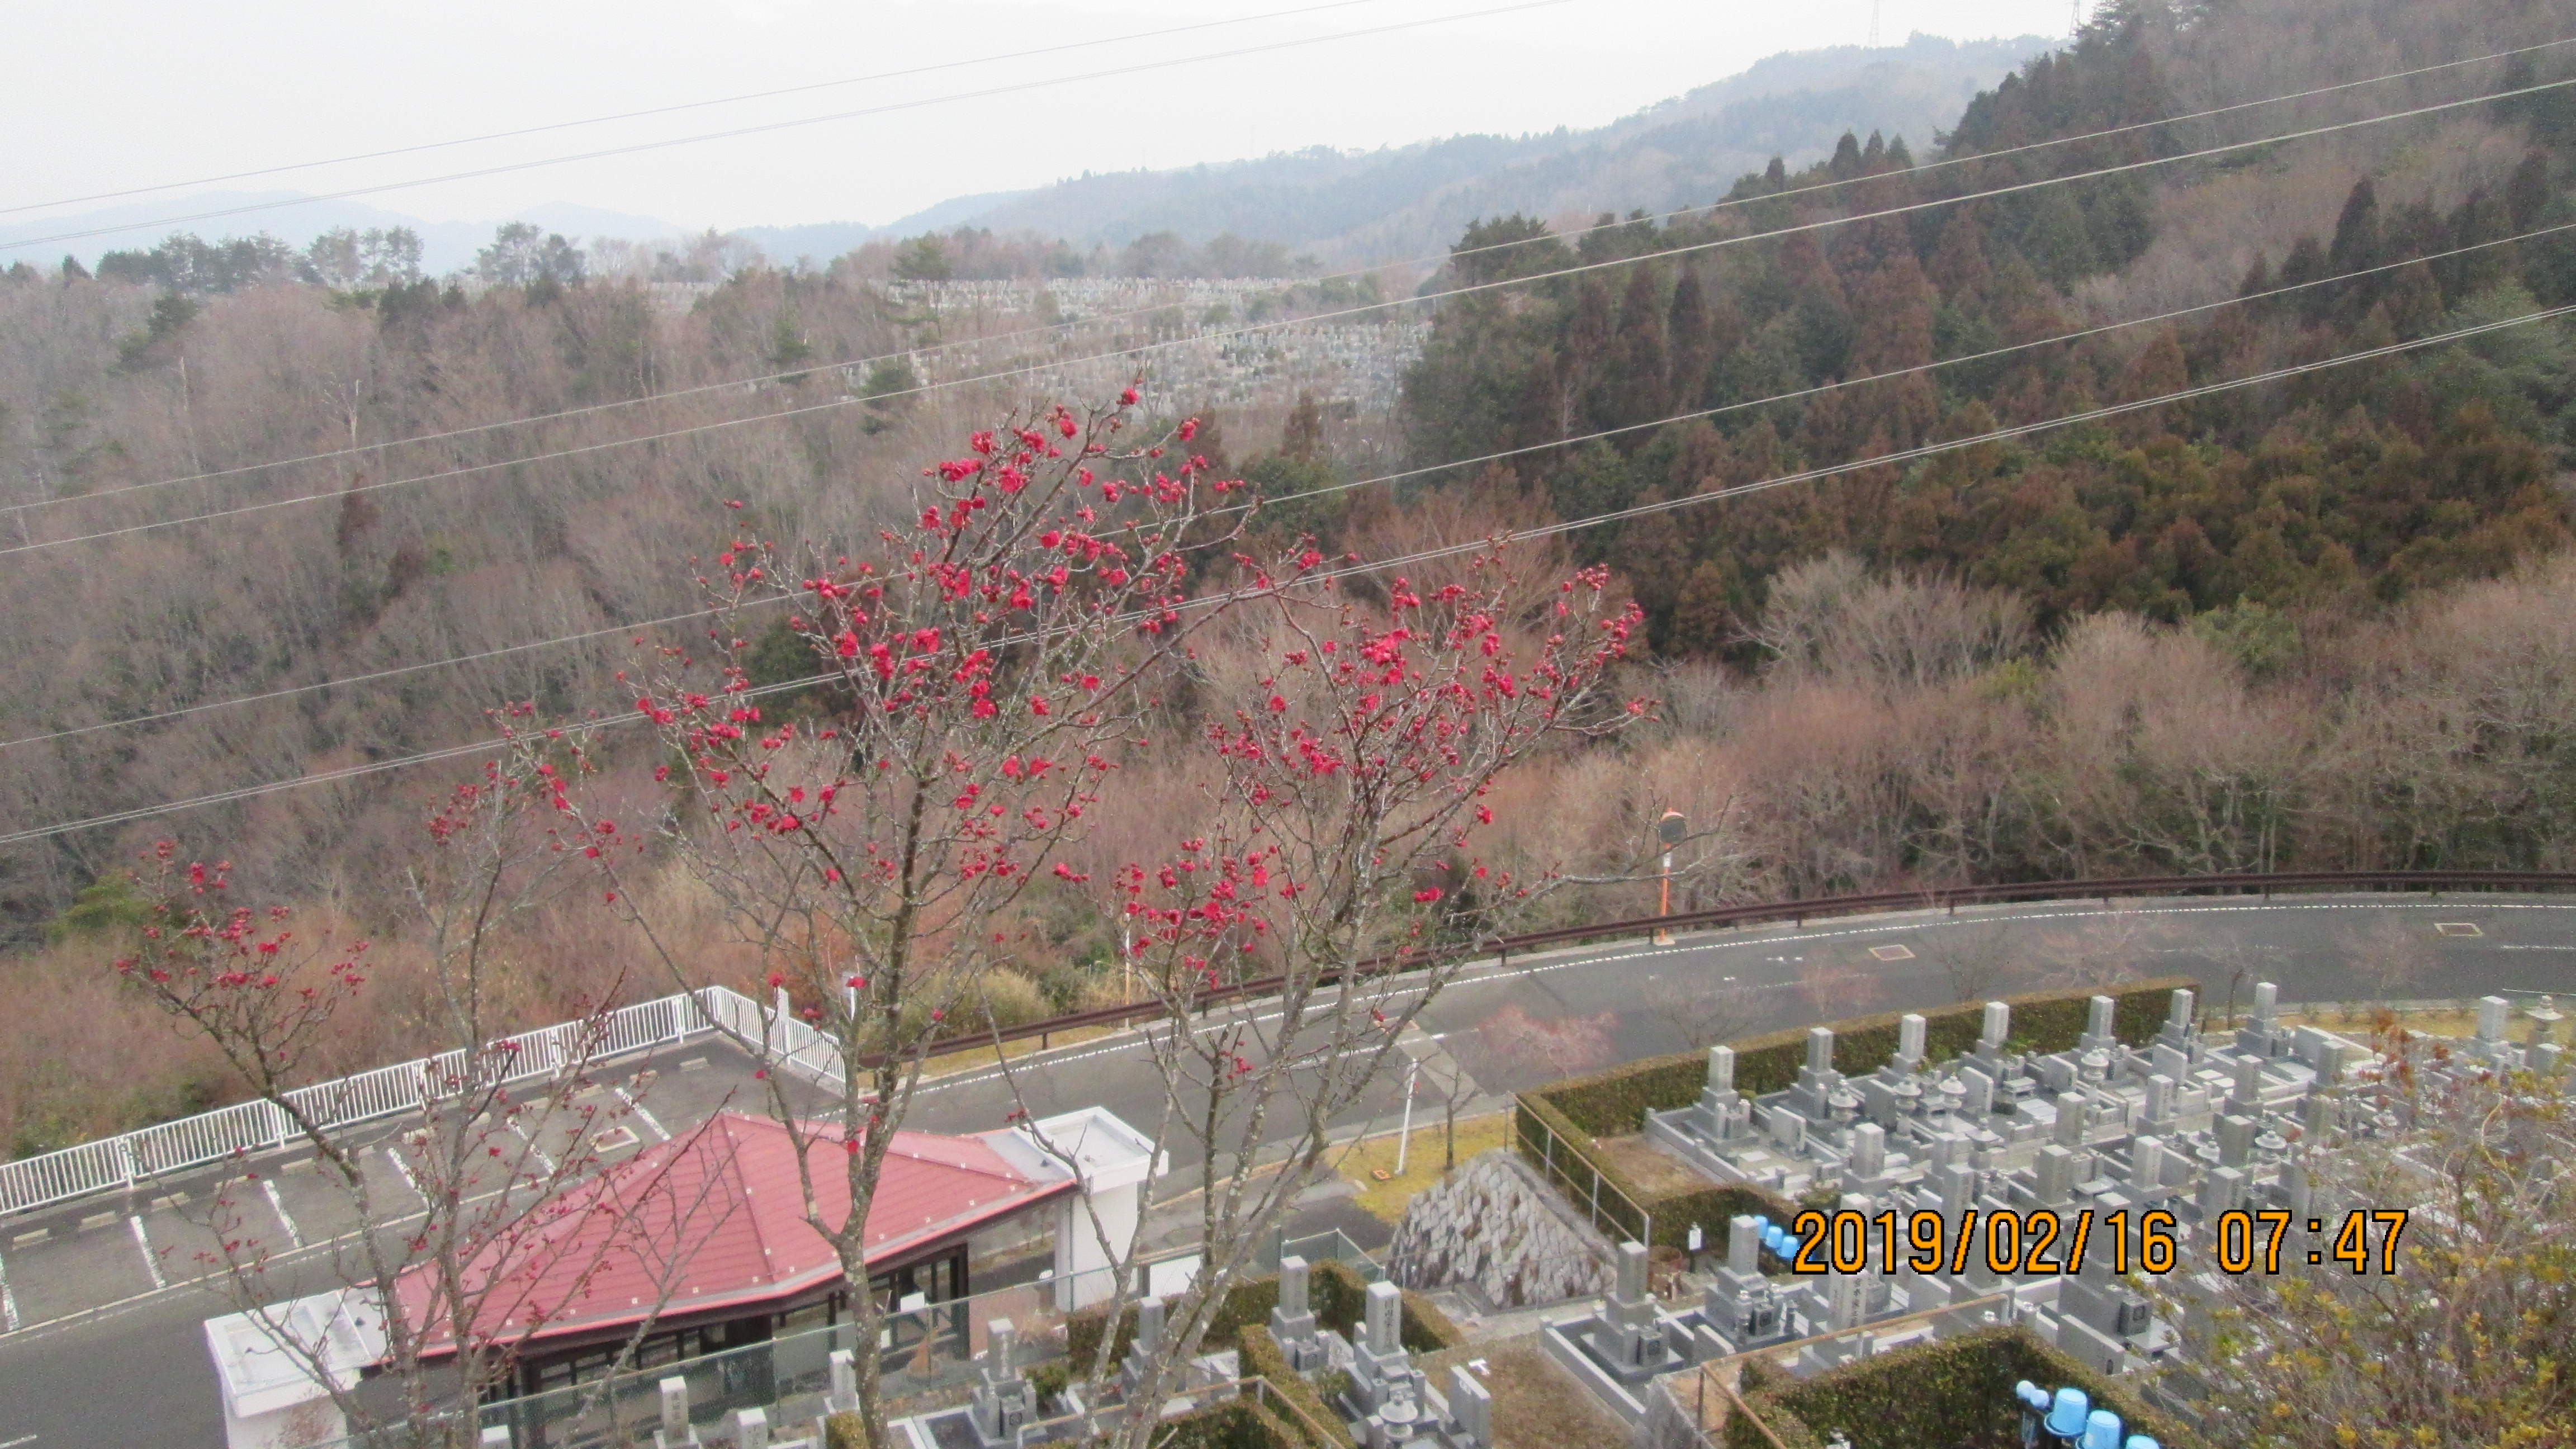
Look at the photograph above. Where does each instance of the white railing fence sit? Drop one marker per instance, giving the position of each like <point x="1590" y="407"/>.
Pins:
<point x="121" y="1162"/>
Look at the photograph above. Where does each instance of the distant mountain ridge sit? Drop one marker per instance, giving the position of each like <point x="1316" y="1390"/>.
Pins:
<point x="1348" y="207"/>
<point x="445" y="245"/>
<point x="1414" y="199"/>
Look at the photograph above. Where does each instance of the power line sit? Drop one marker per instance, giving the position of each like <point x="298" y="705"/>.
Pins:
<point x="883" y="75"/>
<point x="984" y="93"/>
<point x="1901" y="456"/>
<point x="1990" y="354"/>
<point x="368" y="678"/>
<point x="1585" y="268"/>
<point x="1449" y="256"/>
<point x="1508" y="453"/>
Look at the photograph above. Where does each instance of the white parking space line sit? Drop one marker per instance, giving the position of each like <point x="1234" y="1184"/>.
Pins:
<point x="647" y="1118"/>
<point x="279" y="1204"/>
<point x="151" y="1260"/>
<point x="533" y="1149"/>
<point x="9" y="1310"/>
<point x="404" y="1168"/>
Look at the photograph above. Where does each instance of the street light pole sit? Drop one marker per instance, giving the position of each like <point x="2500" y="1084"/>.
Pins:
<point x="1404" y="1134"/>
<point x="1670" y="830"/>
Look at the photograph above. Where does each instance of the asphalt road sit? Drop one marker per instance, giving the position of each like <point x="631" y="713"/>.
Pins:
<point x="101" y="1355"/>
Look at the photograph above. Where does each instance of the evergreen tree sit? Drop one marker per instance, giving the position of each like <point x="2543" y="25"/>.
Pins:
<point x="1655" y="556"/>
<point x="2526" y="195"/>
<point x="2356" y="233"/>
<point x="1846" y="162"/>
<point x="1505" y="247"/>
<point x="1594" y="481"/>
<point x="1691" y="336"/>
<point x="1302" y="438"/>
<point x="1631" y="387"/>
<point x="2056" y="241"/>
<point x="1704" y="621"/>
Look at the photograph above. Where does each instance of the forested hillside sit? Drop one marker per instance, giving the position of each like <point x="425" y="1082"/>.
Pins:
<point x="2348" y="489"/>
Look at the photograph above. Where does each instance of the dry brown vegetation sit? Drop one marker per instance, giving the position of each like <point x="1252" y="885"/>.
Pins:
<point x="1848" y="727"/>
<point x="2435" y="737"/>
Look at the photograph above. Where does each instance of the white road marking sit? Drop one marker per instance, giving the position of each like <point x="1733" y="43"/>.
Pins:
<point x="1912" y="921"/>
<point x="405" y="1169"/>
<point x="9" y="1310"/>
<point x="533" y="1150"/>
<point x="279" y="1203"/>
<point x="1703" y="942"/>
<point x="645" y="1117"/>
<point x="21" y="1439"/>
<point x="151" y="1260"/>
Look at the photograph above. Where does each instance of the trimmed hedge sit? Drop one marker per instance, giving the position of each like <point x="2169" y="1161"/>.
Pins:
<point x="1614" y="1103"/>
<point x="1082" y="1331"/>
<point x="1338" y="1296"/>
<point x="1229" y="1424"/>
<point x="1260" y="1358"/>
<point x="1957" y="1391"/>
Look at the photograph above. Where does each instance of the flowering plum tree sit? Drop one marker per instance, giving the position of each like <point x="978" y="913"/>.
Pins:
<point x="1340" y="887"/>
<point x="969" y="681"/>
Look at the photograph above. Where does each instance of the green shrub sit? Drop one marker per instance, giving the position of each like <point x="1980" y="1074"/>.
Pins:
<point x="1082" y="1332"/>
<point x="1614" y="1103"/>
<point x="1957" y="1391"/>
<point x="1228" y="1424"/>
<point x="1260" y="1358"/>
<point x="845" y="1431"/>
<point x="1574" y="1162"/>
<point x="1710" y="1208"/>
<point x="1339" y="1296"/>
<point x="1247" y="1303"/>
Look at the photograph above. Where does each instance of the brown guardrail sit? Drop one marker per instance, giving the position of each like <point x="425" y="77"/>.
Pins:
<point x="1799" y="911"/>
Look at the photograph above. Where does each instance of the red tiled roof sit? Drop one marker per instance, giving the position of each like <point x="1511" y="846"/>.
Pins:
<point x="715" y="1219"/>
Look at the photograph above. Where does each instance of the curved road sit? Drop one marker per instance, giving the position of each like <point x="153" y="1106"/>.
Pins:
<point x="128" y="1366"/>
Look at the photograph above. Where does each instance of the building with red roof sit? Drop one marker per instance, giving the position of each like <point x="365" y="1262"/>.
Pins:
<point x="706" y="1236"/>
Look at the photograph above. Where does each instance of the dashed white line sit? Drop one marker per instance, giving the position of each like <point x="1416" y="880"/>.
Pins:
<point x="9" y="1310"/>
<point x="15" y="1443"/>
<point x="404" y="1168"/>
<point x="279" y="1204"/>
<point x="151" y="1260"/>
<point x="641" y="1115"/>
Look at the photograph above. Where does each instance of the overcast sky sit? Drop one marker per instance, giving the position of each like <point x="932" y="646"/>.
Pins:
<point x="129" y="93"/>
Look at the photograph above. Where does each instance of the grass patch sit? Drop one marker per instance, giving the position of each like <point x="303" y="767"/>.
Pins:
<point x="1386" y="1200"/>
<point x="1536" y="1404"/>
<point x="2356" y="1024"/>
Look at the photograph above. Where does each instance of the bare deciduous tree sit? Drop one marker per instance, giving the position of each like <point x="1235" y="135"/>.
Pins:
<point x="437" y="1227"/>
<point x="2451" y="1331"/>
<point x="1975" y="956"/>
<point x="1705" y="1008"/>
